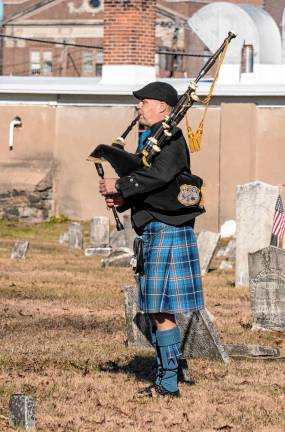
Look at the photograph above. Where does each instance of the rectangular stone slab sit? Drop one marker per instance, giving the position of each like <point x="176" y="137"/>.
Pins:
<point x="251" y="351"/>
<point x="99" y="232"/>
<point x="75" y="235"/>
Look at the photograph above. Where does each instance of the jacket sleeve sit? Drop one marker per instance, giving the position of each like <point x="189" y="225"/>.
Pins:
<point x="165" y="167"/>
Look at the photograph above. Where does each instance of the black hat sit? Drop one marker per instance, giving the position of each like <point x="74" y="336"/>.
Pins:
<point x="158" y="90"/>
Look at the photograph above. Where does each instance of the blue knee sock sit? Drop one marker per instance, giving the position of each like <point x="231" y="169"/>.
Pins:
<point x="168" y="343"/>
<point x="154" y="344"/>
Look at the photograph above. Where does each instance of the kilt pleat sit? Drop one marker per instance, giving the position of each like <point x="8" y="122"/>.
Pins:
<point x="172" y="280"/>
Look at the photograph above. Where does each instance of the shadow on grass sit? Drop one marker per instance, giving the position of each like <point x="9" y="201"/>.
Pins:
<point x="140" y="366"/>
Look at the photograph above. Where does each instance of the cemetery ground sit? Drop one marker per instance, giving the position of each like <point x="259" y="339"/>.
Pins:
<point x="63" y="337"/>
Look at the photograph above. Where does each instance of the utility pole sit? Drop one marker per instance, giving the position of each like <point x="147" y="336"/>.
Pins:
<point x="62" y="70"/>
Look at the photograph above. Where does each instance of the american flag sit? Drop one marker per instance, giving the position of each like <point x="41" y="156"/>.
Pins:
<point x="278" y="222"/>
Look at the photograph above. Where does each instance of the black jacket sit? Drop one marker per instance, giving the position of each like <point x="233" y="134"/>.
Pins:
<point x="151" y="192"/>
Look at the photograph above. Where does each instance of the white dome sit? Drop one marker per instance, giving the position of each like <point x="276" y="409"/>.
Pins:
<point x="252" y="24"/>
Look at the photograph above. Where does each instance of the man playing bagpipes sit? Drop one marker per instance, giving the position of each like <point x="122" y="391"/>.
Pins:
<point x="163" y="214"/>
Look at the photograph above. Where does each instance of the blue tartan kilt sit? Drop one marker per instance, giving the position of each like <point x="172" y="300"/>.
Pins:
<point x="172" y="280"/>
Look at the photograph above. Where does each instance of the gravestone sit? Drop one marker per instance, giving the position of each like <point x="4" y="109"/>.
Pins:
<point x="96" y="251"/>
<point x="20" y="249"/>
<point x="129" y="232"/>
<point x="22" y="412"/>
<point x="267" y="288"/>
<point x="207" y="243"/>
<point x="99" y="232"/>
<point x="200" y="338"/>
<point x="118" y="260"/>
<point x="137" y="322"/>
<point x="254" y="215"/>
<point x="117" y="239"/>
<point x="75" y="235"/>
<point x="254" y="351"/>
<point x="64" y="238"/>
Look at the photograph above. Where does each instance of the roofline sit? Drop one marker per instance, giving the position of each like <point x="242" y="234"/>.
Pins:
<point x="28" y="10"/>
<point x="92" y="86"/>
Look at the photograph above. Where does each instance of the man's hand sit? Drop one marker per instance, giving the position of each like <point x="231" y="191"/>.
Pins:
<point x="114" y="201"/>
<point x="107" y="186"/>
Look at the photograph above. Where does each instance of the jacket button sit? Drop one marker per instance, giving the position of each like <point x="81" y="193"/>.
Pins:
<point x="136" y="185"/>
<point x="131" y="179"/>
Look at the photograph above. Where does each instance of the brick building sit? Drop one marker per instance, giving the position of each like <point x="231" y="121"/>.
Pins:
<point x="78" y="26"/>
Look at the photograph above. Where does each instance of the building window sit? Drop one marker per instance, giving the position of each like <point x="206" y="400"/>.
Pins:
<point x="87" y="63"/>
<point x="164" y="60"/>
<point x="35" y="62"/>
<point x="95" y="3"/>
<point x="41" y="62"/>
<point x="47" y="63"/>
<point x="99" y="63"/>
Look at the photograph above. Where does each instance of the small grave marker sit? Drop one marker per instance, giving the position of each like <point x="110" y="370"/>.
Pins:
<point x="75" y="235"/>
<point x="22" y="412"/>
<point x="20" y="249"/>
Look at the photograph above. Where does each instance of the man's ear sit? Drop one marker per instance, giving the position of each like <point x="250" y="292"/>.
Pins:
<point x="163" y="107"/>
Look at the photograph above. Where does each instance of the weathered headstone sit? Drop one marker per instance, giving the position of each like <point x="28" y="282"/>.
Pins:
<point x="20" y="249"/>
<point x="22" y="412"/>
<point x="207" y="244"/>
<point x="267" y="288"/>
<point x="99" y="232"/>
<point x="254" y="215"/>
<point x="129" y="232"/>
<point x="75" y="235"/>
<point x="117" y="239"/>
<point x="64" y="238"/>
<point x="137" y="322"/>
<point x="96" y="251"/>
<point x="200" y="338"/>
<point x="254" y="351"/>
<point x="118" y="260"/>
<point x="199" y="335"/>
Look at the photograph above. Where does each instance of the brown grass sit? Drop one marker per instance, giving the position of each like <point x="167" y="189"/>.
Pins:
<point x="63" y="342"/>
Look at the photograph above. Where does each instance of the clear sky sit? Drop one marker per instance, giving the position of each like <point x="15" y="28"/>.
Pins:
<point x="1" y="10"/>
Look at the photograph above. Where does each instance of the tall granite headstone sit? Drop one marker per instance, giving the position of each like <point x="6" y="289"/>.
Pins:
<point x="199" y="335"/>
<point x="207" y="243"/>
<point x="254" y="215"/>
<point x="267" y="288"/>
<point x="75" y="235"/>
<point x="22" y="412"/>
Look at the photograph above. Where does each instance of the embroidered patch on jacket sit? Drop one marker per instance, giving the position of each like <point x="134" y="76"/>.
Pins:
<point x="189" y="195"/>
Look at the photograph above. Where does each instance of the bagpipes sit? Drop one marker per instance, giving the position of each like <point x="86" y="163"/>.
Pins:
<point x="124" y="162"/>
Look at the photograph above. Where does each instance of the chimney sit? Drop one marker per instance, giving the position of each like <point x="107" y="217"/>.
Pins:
<point x="129" y="41"/>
